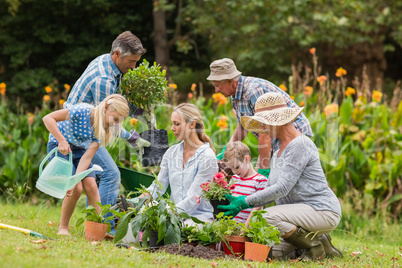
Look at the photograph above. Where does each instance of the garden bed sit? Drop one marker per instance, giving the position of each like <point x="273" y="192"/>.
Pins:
<point x="190" y="250"/>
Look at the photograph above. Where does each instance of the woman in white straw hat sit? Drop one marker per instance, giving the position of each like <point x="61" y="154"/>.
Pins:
<point x="306" y="208"/>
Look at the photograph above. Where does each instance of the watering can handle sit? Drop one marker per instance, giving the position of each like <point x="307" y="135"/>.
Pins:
<point x="47" y="157"/>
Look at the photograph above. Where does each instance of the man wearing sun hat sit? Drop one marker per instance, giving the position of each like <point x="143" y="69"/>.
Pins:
<point x="306" y="208"/>
<point x="244" y="92"/>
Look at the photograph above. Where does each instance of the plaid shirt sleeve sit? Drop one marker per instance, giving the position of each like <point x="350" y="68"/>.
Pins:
<point x="101" y="88"/>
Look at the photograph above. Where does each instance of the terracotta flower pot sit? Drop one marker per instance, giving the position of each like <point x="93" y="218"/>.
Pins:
<point x="95" y="231"/>
<point x="256" y="252"/>
<point x="235" y="245"/>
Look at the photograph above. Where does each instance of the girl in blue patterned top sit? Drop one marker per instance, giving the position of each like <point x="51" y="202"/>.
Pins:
<point x="81" y="129"/>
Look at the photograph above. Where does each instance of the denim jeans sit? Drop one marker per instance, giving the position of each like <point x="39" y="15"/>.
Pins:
<point x="109" y="183"/>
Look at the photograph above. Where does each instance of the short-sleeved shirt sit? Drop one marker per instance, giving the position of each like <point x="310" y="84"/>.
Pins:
<point x="185" y="182"/>
<point x="100" y="79"/>
<point x="249" y="89"/>
<point x="247" y="186"/>
<point x="77" y="130"/>
<point x="297" y="177"/>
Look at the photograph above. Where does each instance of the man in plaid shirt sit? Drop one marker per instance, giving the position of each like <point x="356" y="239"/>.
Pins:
<point x="102" y="78"/>
<point x="244" y="92"/>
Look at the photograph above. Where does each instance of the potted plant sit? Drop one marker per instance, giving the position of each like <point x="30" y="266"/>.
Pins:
<point x="144" y="87"/>
<point x="263" y="236"/>
<point x="215" y="192"/>
<point x="96" y="224"/>
<point x="205" y="233"/>
<point x="157" y="218"/>
<point x="233" y="235"/>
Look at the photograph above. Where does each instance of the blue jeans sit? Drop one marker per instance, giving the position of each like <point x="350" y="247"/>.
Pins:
<point x="109" y="183"/>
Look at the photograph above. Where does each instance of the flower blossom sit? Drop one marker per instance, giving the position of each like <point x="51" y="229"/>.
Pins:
<point x="61" y="102"/>
<point x="3" y="89"/>
<point x="283" y="87"/>
<point x="219" y="97"/>
<point x="350" y="91"/>
<point x="30" y="118"/>
<point x="193" y="86"/>
<point x="222" y="183"/>
<point x="173" y="86"/>
<point x="222" y="124"/>
<point x="190" y="95"/>
<point x="67" y="87"/>
<point x="377" y="95"/>
<point x="321" y="79"/>
<point x="312" y="50"/>
<point x="308" y="90"/>
<point x="48" y="89"/>
<point x="46" y="98"/>
<point x="340" y="72"/>
<point x="219" y="176"/>
<point x="133" y="121"/>
<point x="330" y="109"/>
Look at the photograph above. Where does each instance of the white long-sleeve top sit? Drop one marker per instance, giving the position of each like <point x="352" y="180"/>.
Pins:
<point x="185" y="182"/>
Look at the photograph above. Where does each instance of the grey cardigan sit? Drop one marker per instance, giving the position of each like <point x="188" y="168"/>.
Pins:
<point x="297" y="177"/>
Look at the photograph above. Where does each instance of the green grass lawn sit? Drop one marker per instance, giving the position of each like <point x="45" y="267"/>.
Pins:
<point x="20" y="250"/>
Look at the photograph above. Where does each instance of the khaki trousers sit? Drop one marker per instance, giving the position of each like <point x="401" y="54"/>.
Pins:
<point x="286" y="217"/>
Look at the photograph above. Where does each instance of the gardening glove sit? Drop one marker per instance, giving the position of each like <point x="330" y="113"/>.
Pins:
<point x="237" y="204"/>
<point x="220" y="155"/>
<point x="264" y="172"/>
<point x="136" y="141"/>
<point x="150" y="119"/>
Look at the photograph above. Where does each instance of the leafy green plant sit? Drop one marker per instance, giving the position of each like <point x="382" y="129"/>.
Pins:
<point x="205" y="234"/>
<point x="159" y="215"/>
<point x="145" y="86"/>
<point x="260" y="231"/>
<point x="229" y="226"/>
<point x="92" y="215"/>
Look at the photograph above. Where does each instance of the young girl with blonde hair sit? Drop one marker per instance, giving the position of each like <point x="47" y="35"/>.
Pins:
<point x="80" y="130"/>
<point x="187" y="165"/>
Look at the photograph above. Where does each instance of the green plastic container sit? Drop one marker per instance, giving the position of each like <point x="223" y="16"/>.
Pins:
<point x="56" y="178"/>
<point x="132" y="179"/>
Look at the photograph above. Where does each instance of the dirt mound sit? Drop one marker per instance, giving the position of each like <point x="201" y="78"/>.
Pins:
<point x="189" y="250"/>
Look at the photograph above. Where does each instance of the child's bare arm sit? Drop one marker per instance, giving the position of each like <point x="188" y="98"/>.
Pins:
<point x="87" y="157"/>
<point x="50" y="122"/>
<point x="247" y="223"/>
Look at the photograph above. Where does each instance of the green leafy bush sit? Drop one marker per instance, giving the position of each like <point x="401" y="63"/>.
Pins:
<point x="145" y="86"/>
<point x="260" y="231"/>
<point x="92" y="215"/>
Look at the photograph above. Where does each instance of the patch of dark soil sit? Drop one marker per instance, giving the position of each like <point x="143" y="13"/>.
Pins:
<point x="189" y="250"/>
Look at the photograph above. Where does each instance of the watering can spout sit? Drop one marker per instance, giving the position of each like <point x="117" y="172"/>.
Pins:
<point x="73" y="180"/>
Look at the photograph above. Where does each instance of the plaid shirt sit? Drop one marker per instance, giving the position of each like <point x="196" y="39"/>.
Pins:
<point x="247" y="92"/>
<point x="99" y="80"/>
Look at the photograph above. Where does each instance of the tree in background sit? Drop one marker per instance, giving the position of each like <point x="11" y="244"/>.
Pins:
<point x="265" y="37"/>
<point x="46" y="41"/>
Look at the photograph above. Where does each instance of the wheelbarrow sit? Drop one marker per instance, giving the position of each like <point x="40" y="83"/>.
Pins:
<point x="132" y="179"/>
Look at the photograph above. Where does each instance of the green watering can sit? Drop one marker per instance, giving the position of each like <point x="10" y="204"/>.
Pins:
<point x="56" y="178"/>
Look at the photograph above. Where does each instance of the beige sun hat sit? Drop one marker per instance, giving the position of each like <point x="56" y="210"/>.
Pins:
<point x="223" y="69"/>
<point x="270" y="110"/>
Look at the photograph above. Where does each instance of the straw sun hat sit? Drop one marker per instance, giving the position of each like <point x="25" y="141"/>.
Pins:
<point x="270" y="110"/>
